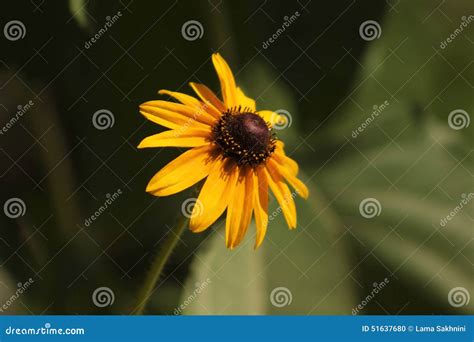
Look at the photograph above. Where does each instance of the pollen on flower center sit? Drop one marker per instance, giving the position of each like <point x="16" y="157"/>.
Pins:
<point x="244" y="136"/>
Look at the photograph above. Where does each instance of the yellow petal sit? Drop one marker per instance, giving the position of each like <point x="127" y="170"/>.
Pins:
<point x="260" y="205"/>
<point x="280" y="144"/>
<point x="183" y="172"/>
<point x="297" y="184"/>
<point x="250" y="187"/>
<point x="273" y="118"/>
<point x="208" y="97"/>
<point x="160" y="113"/>
<point x="201" y="111"/>
<point x="282" y="194"/>
<point x="239" y="211"/>
<point x="282" y="159"/>
<point x="227" y="81"/>
<point x="183" y="137"/>
<point x="194" y="113"/>
<point x="214" y="196"/>
<point x="245" y="101"/>
<point x="183" y="98"/>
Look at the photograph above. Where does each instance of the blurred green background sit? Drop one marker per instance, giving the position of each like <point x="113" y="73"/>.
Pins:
<point x="320" y="70"/>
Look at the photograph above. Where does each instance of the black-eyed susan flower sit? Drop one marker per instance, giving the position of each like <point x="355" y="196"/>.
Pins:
<point x="232" y="147"/>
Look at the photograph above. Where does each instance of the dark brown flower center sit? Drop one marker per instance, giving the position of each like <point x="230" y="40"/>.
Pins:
<point x="244" y="136"/>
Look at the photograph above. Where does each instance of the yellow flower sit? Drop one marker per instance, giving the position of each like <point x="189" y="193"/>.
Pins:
<point x="233" y="148"/>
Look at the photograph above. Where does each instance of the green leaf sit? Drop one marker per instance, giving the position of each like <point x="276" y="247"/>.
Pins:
<point x="409" y="159"/>
<point x="224" y="281"/>
<point x="311" y="261"/>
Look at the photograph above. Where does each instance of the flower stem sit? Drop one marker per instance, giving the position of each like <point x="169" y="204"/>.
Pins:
<point x="158" y="264"/>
